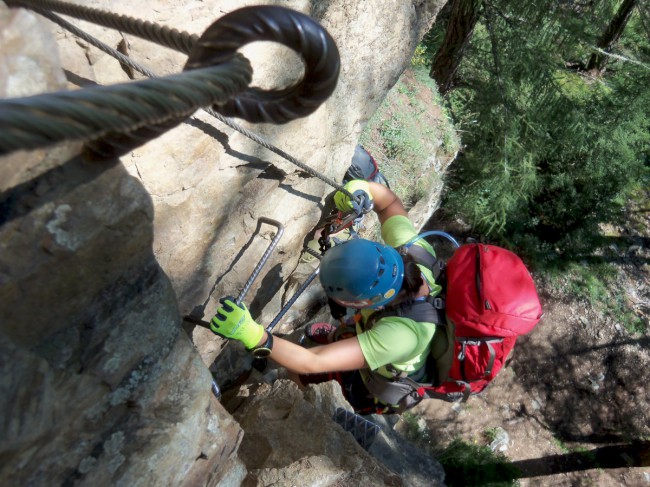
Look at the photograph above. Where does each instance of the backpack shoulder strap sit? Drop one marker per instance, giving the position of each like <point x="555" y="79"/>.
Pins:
<point x="430" y="310"/>
<point x="425" y="258"/>
<point x="422" y="256"/>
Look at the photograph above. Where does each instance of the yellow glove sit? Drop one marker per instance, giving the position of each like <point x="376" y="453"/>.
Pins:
<point x="233" y="321"/>
<point x="362" y="203"/>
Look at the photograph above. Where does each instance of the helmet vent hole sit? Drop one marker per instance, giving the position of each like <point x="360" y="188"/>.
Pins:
<point x="374" y="284"/>
<point x="381" y="272"/>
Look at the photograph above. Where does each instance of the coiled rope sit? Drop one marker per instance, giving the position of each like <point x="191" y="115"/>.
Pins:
<point x="42" y="120"/>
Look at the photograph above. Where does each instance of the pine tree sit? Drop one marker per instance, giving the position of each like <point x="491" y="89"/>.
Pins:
<point x="460" y="26"/>
<point x="610" y="36"/>
<point x="550" y="152"/>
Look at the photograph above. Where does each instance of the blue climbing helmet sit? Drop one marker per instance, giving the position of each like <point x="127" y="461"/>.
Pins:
<point x="361" y="273"/>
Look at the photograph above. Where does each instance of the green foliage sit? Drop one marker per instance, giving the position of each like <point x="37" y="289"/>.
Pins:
<point x="597" y="283"/>
<point x="403" y="136"/>
<point x="491" y="434"/>
<point x="465" y="464"/>
<point x="588" y="456"/>
<point x="420" y="57"/>
<point x="476" y="465"/>
<point x="414" y="432"/>
<point x="431" y="42"/>
<point x="550" y="152"/>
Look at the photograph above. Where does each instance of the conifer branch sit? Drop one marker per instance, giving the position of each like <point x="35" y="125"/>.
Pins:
<point x="620" y="58"/>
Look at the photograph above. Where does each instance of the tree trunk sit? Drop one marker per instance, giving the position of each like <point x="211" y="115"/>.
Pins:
<point x="463" y="18"/>
<point x="610" y="36"/>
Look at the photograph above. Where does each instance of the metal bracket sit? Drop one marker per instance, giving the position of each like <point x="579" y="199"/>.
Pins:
<point x="216" y="390"/>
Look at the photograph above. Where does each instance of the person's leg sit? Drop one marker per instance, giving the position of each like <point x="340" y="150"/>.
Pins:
<point x="318" y="334"/>
<point x="358" y="396"/>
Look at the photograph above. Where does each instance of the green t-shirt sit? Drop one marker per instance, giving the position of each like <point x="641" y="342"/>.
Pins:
<point x="397" y="231"/>
<point x="401" y="342"/>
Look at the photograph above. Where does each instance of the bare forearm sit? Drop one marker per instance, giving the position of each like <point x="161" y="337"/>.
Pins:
<point x="294" y="357"/>
<point x="386" y="203"/>
<point x="338" y="356"/>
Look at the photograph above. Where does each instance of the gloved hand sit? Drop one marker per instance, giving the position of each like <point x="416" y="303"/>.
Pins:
<point x="361" y="190"/>
<point x="234" y="322"/>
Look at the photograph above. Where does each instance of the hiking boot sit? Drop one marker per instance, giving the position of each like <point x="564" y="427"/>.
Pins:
<point x="319" y="334"/>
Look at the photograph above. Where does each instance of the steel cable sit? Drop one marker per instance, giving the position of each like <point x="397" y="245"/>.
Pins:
<point x="165" y="36"/>
<point x="122" y="58"/>
<point x="265" y="19"/>
<point x="280" y="152"/>
<point x="42" y="120"/>
<point x="225" y="120"/>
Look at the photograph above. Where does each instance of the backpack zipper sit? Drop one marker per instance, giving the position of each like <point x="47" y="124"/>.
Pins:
<point x="479" y="288"/>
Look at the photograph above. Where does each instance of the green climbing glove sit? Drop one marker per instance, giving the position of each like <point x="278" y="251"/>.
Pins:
<point x="234" y="322"/>
<point x="361" y="190"/>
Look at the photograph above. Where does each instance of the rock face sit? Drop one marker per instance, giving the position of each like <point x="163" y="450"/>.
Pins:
<point x="210" y="184"/>
<point x="290" y="440"/>
<point x="99" y="385"/>
<point x="99" y="262"/>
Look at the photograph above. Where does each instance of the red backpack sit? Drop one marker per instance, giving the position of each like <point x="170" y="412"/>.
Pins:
<point x="490" y="300"/>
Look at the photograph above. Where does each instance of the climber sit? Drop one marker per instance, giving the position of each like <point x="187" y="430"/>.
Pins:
<point x="366" y="276"/>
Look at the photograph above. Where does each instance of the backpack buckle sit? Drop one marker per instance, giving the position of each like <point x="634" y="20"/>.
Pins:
<point x="438" y="303"/>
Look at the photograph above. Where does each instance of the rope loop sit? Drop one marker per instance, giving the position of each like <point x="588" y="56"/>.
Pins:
<point x="282" y="25"/>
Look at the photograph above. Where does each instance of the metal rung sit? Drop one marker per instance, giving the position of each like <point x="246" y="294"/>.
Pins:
<point x="364" y="431"/>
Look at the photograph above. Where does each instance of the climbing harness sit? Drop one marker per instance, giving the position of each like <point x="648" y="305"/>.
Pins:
<point x="335" y="223"/>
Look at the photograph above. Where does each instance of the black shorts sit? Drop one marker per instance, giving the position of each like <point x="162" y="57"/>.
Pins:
<point x="353" y="389"/>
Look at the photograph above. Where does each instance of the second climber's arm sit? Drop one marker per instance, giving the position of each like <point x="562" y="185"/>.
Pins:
<point x="386" y="203"/>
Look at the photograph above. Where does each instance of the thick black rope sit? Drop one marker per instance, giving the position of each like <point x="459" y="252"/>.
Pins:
<point x="308" y="39"/>
<point x="165" y="36"/>
<point x="227" y="121"/>
<point x="168" y="37"/>
<point x="42" y="120"/>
